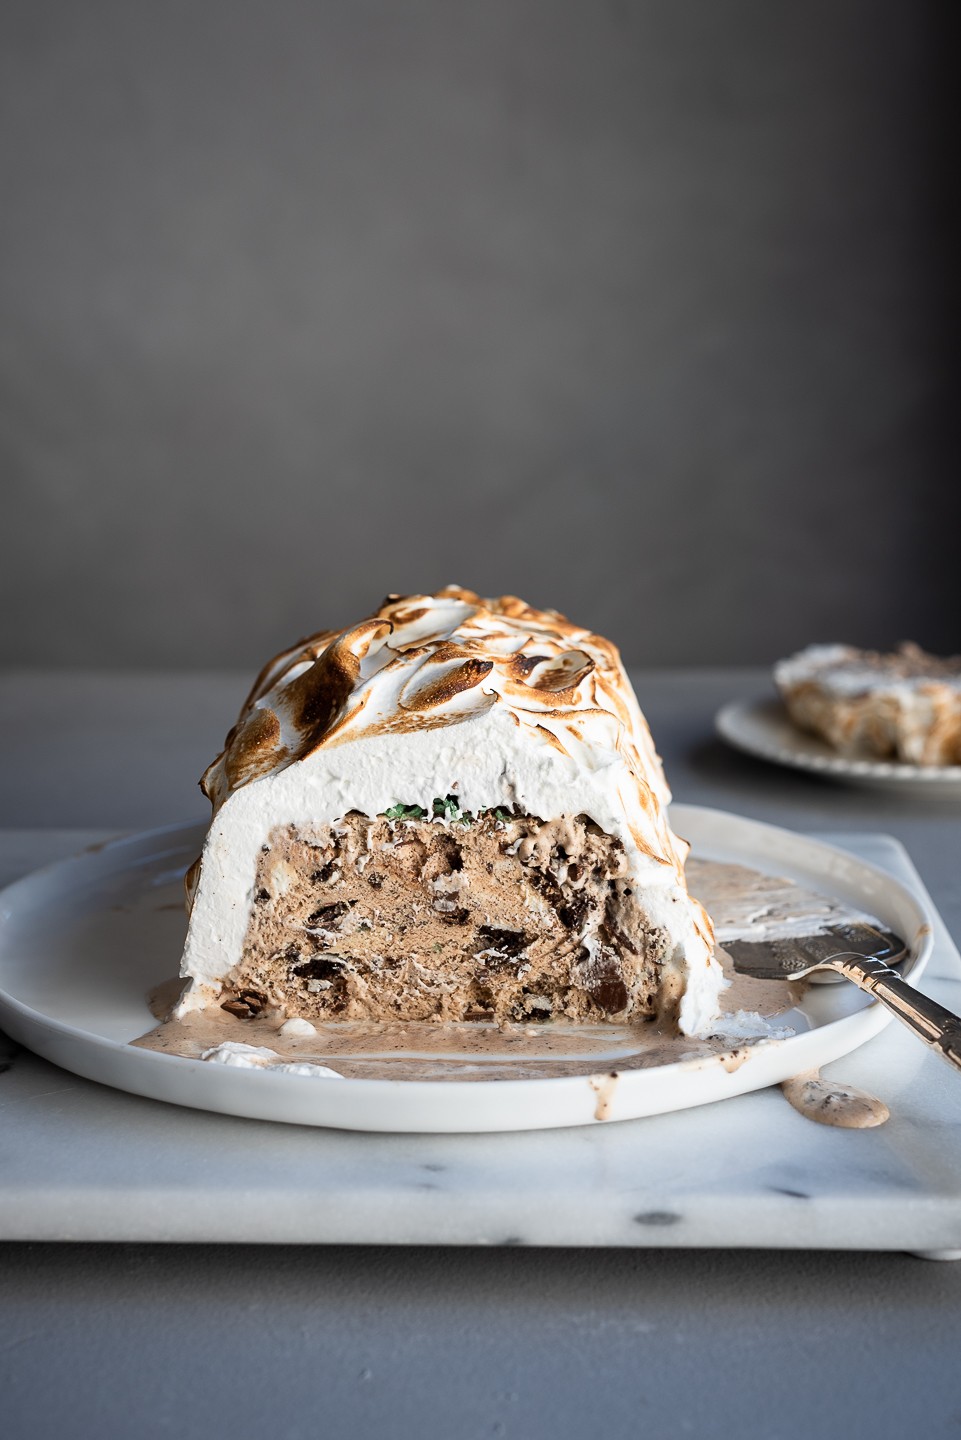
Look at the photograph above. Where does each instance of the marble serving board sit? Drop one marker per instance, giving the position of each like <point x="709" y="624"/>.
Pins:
<point x="79" y="1161"/>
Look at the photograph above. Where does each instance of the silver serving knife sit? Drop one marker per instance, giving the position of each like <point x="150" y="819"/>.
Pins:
<point x="864" y="955"/>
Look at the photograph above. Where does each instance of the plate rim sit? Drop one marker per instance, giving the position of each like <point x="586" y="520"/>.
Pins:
<point x="29" y="1023"/>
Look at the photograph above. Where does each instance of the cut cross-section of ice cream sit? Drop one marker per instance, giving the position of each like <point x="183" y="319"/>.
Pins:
<point x="451" y="811"/>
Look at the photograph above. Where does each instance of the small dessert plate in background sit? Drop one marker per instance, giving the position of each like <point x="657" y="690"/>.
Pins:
<point x="763" y="728"/>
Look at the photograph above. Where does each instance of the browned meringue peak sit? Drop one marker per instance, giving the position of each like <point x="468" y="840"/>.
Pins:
<point x="425" y="661"/>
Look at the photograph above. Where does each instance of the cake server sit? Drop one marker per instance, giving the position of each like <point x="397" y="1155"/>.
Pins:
<point x="864" y="955"/>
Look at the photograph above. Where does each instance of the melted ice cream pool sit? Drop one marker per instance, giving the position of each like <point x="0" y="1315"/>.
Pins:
<point x="742" y="902"/>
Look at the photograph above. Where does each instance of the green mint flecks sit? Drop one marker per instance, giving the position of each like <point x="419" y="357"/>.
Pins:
<point x="444" y="808"/>
<point x="449" y="809"/>
<point x="405" y="812"/>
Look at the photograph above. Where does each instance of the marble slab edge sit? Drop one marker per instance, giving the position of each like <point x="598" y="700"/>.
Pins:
<point x="451" y="1219"/>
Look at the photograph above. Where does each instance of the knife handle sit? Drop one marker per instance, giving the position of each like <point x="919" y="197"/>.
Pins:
<point x="936" y="1026"/>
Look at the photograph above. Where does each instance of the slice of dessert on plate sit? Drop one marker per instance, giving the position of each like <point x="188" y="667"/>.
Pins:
<point x="450" y="811"/>
<point x="904" y="706"/>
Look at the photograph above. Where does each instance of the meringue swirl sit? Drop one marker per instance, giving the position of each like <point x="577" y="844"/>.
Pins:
<point x="425" y="661"/>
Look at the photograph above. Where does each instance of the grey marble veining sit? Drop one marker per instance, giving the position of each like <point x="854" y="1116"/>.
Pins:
<point x="84" y="1162"/>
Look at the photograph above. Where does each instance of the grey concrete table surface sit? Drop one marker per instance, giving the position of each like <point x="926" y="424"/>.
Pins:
<point x="124" y="1340"/>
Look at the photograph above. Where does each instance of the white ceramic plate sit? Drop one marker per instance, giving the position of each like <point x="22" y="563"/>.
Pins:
<point x="83" y="941"/>
<point x="764" y="728"/>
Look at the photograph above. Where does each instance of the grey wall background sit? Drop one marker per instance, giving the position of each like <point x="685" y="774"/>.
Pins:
<point x="643" y="310"/>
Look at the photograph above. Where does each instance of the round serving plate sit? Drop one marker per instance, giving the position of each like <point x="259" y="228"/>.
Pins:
<point x="763" y="728"/>
<point x="83" y="942"/>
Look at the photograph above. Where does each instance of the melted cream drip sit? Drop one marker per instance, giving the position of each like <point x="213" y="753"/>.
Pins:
<point x="831" y="1103"/>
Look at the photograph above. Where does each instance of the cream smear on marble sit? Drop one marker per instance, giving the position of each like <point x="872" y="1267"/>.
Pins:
<point x="831" y="1102"/>
<point x="741" y="902"/>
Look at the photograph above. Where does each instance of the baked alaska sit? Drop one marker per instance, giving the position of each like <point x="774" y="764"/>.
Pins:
<point x="904" y="706"/>
<point x="451" y="811"/>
